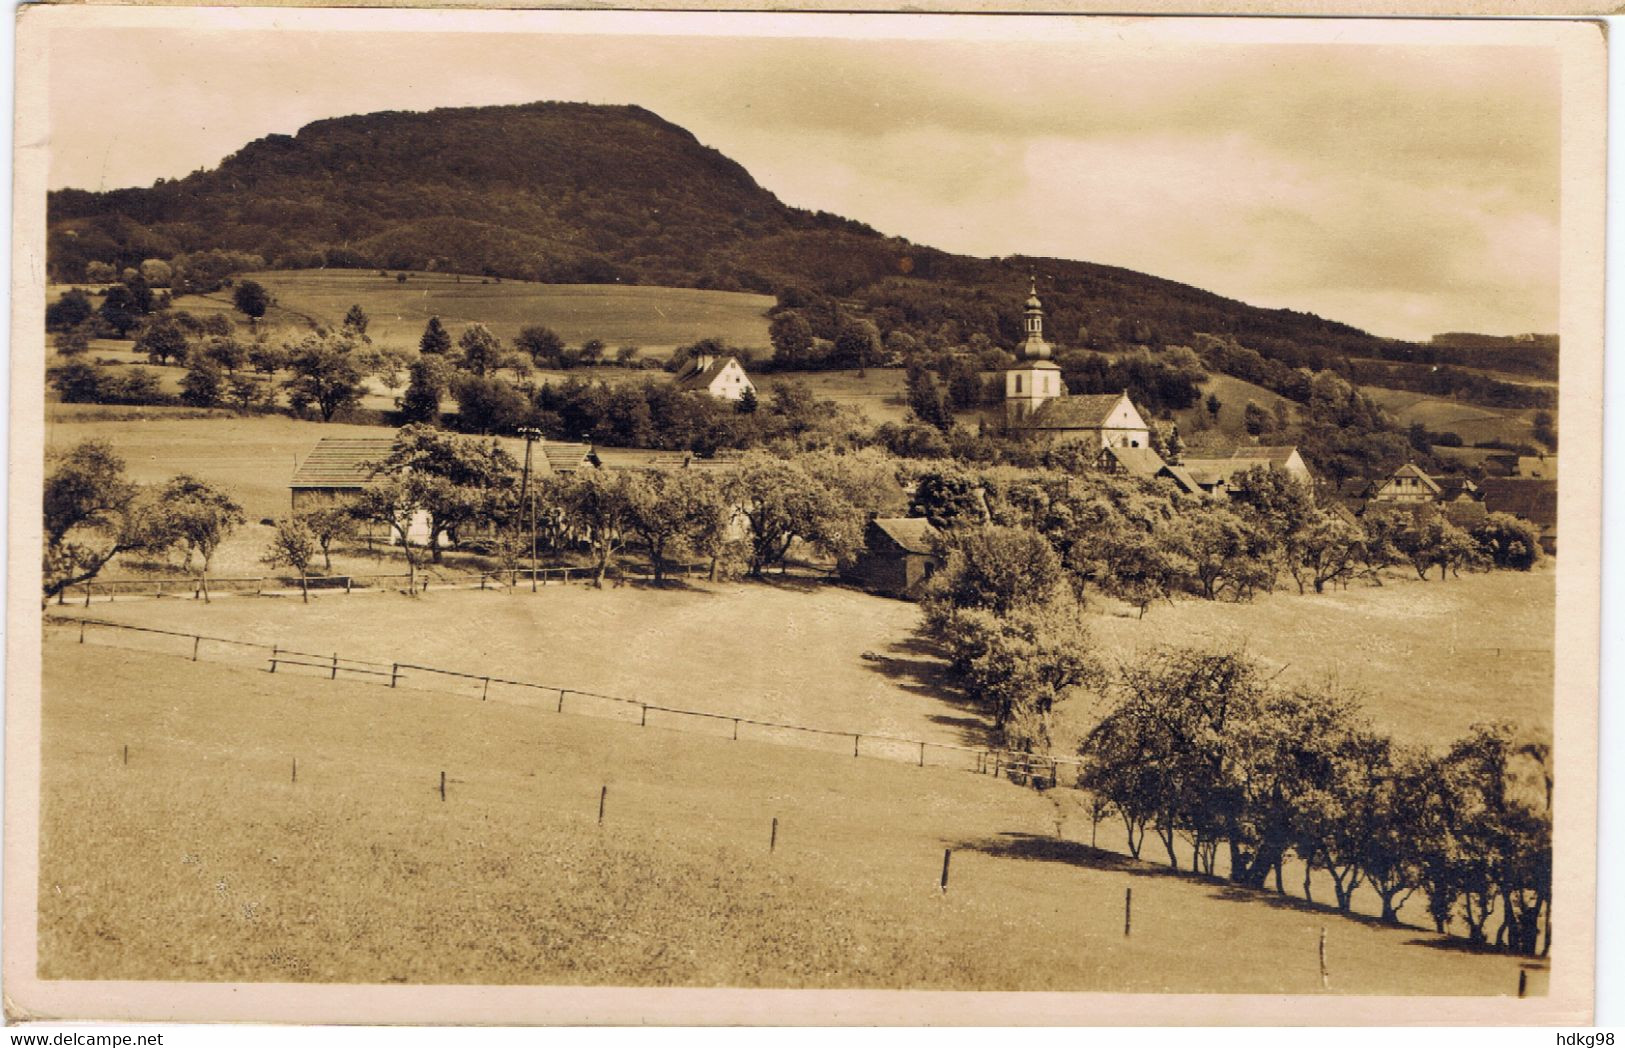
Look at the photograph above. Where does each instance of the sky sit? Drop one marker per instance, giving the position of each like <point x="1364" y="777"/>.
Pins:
<point x="1407" y="189"/>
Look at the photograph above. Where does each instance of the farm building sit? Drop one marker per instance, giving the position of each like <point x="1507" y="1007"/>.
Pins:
<point x="648" y="458"/>
<point x="722" y="377"/>
<point x="1532" y="498"/>
<point x="1146" y="464"/>
<point x="899" y="556"/>
<point x="1408" y="483"/>
<point x="336" y="469"/>
<point x="1216" y="475"/>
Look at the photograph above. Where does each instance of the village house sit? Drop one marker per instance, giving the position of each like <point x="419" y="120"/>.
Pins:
<point x="1146" y="464"/>
<point x="899" y="556"/>
<point x="1215" y="476"/>
<point x="721" y="376"/>
<point x="1532" y="498"/>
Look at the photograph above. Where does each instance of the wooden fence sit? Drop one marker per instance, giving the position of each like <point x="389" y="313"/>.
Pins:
<point x="1035" y="769"/>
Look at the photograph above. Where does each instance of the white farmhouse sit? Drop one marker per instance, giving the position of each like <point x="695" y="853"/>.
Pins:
<point x="721" y="376"/>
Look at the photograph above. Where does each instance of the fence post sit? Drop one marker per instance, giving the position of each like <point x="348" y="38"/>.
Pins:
<point x="1128" y="910"/>
<point x="773" y="842"/>
<point x="736" y="729"/>
<point x="947" y="853"/>
<point x="922" y="754"/>
<point x="81" y="631"/>
<point x="159" y="592"/>
<point x="296" y="769"/>
<point x="87" y="594"/>
<point x="335" y="675"/>
<point x="394" y="672"/>
<point x="561" y="701"/>
<point x="126" y="753"/>
<point x="485" y="691"/>
<point x="603" y="793"/>
<point x="442" y="786"/>
<point x="855" y="745"/>
<point x="274" y="650"/>
<point x="643" y="718"/>
<point x="1523" y="981"/>
<point x="196" y="642"/>
<point x="1325" y="976"/>
<point x="348" y="581"/>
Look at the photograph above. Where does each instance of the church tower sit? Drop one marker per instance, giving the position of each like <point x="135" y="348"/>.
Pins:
<point x="1034" y="378"/>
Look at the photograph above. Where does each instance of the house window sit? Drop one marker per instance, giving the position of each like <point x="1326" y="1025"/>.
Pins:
<point x="1018" y="383"/>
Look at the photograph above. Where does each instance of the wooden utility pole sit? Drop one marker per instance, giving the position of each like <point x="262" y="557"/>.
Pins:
<point x="527" y="500"/>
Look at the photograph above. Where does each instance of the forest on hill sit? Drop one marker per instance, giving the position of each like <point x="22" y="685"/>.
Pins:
<point x="567" y="192"/>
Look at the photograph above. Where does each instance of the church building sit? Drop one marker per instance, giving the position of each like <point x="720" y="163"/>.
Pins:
<point x="1036" y="402"/>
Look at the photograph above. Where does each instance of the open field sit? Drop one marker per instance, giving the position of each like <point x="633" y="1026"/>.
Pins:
<point x="203" y="859"/>
<point x="653" y="318"/>
<point x="1233" y="394"/>
<point x="1471" y="422"/>
<point x="1431" y="657"/>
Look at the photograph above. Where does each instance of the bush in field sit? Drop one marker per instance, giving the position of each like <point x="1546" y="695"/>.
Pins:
<point x="1507" y="541"/>
<point x="324" y="374"/>
<point x="293" y="545"/>
<point x="204" y="385"/>
<point x="251" y="299"/>
<point x="69" y="311"/>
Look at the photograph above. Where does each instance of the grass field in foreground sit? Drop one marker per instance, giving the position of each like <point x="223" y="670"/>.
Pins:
<point x="202" y="859"/>
<point x="653" y="318"/>
<point x="1424" y="653"/>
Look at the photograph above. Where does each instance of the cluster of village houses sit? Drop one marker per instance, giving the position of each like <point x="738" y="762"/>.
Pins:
<point x="900" y="552"/>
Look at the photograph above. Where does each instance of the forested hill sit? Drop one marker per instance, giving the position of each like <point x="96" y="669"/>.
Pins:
<point x="567" y="192"/>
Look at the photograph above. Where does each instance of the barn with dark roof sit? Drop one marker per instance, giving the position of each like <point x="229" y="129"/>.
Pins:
<point x="899" y="556"/>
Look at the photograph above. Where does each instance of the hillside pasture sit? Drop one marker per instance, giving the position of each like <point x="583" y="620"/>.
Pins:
<point x="207" y="855"/>
<point x="656" y="319"/>
<point x="1223" y="434"/>
<point x="1469" y="421"/>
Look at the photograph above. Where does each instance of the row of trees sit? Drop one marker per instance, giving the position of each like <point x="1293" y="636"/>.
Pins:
<point x="94" y="513"/>
<point x="1201" y="748"/>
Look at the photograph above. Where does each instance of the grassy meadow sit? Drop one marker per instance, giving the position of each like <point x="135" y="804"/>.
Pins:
<point x="653" y="318"/>
<point x="202" y="858"/>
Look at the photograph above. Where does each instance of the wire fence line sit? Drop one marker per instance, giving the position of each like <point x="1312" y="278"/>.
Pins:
<point x="1036" y="769"/>
<point x="193" y="587"/>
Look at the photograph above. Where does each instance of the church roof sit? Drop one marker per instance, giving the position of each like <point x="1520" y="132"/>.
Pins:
<point x="1086" y="411"/>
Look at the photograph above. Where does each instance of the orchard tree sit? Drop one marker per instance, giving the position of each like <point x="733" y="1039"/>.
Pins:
<point x="251" y="300"/>
<point x="597" y="505"/>
<point x="542" y="344"/>
<point x="197" y="517"/>
<point x="92" y="514"/>
<point x="481" y="352"/>
<point x="120" y="310"/>
<point x="1507" y="541"/>
<point x="792" y="339"/>
<point x="330" y="524"/>
<point x="162" y="338"/>
<point x="356" y="321"/>
<point x="204" y="385"/>
<point x="999" y="569"/>
<point x="780" y="502"/>
<point x="395" y="502"/>
<point x="69" y="311"/>
<point x="324" y="374"/>
<point x="292" y="544"/>
<point x="455" y="478"/>
<point x="672" y="513"/>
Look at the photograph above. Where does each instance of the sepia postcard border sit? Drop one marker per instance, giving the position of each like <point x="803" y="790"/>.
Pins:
<point x="1582" y="48"/>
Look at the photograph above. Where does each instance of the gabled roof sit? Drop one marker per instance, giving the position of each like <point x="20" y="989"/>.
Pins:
<point x="341" y="462"/>
<point x="1276" y="455"/>
<point x="701" y="378"/>
<point x="653" y="458"/>
<point x="1411" y="469"/>
<point x="564" y="458"/>
<point x="910" y="534"/>
<point x="1182" y="477"/>
<point x="1454" y="485"/>
<point x="1138" y="462"/>
<point x="1210" y="471"/>
<point x="1533" y="499"/>
<point x="1085" y="411"/>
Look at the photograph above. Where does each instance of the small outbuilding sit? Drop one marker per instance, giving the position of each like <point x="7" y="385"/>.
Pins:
<point x="899" y="556"/>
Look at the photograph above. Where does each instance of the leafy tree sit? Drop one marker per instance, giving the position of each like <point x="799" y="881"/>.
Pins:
<point x="1000" y="569"/>
<point x="481" y="352"/>
<point x="395" y="502"/>
<point x="747" y="403"/>
<point x="292" y="544"/>
<point x="1430" y="541"/>
<point x="268" y="358"/>
<point x="92" y="515"/>
<point x="542" y="344"/>
<point x="1019" y="666"/>
<point x="162" y="338"/>
<point x="792" y="339"/>
<point x="592" y="352"/>
<point x="324" y="373"/>
<point x="1213" y="405"/>
<point x="204" y="384"/>
<point x="1507" y="541"/>
<point x="197" y="517"/>
<point x="435" y="341"/>
<point x="1220" y="549"/>
<point x="949" y="498"/>
<point x="455" y="478"/>
<point x="244" y="392"/>
<point x="1327" y="550"/>
<point x="1544" y="431"/>
<point x="120" y="310"/>
<point x="251" y="300"/>
<point x="780" y="501"/>
<point x="328" y="525"/>
<point x="489" y="404"/>
<point x="1255" y="420"/>
<point x="598" y="505"/>
<point x="669" y="511"/>
<point x="73" y="342"/>
<point x="77" y="382"/>
<point x="69" y="311"/>
<point x="157" y="273"/>
<point x="226" y="352"/>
